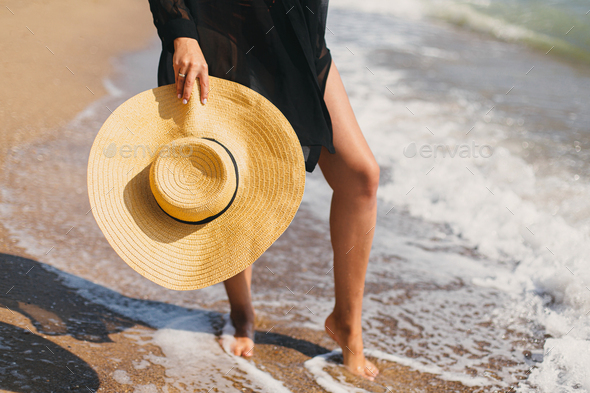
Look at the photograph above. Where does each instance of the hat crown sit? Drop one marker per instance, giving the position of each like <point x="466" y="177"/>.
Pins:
<point x="193" y="179"/>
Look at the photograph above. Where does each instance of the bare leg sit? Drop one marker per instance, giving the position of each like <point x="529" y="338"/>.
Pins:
<point x="353" y="175"/>
<point x="242" y="312"/>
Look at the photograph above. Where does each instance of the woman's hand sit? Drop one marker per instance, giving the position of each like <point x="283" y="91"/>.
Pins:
<point x="188" y="60"/>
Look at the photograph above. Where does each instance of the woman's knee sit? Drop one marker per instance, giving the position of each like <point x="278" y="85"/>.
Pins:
<point x="371" y="178"/>
<point x="356" y="176"/>
<point x="366" y="177"/>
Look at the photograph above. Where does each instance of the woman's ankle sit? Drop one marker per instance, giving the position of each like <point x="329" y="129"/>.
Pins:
<point x="345" y="334"/>
<point x="245" y="313"/>
<point x="243" y="319"/>
<point x="344" y="324"/>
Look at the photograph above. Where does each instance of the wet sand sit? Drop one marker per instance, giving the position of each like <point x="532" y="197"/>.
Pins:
<point x="57" y="337"/>
<point x="58" y="340"/>
<point x="55" y="340"/>
<point x="55" y="55"/>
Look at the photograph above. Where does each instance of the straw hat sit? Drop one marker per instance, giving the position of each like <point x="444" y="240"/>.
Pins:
<point x="191" y="195"/>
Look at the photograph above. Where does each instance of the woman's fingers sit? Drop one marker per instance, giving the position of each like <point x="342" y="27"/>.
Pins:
<point x="191" y="79"/>
<point x="179" y="69"/>
<point x="189" y="64"/>
<point x="204" y="82"/>
<point x="189" y="83"/>
<point x="180" y="82"/>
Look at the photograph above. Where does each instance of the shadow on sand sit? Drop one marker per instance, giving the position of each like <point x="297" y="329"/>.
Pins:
<point x="30" y="362"/>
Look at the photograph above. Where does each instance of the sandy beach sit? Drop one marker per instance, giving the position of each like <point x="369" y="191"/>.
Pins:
<point x="56" y="58"/>
<point x="466" y="290"/>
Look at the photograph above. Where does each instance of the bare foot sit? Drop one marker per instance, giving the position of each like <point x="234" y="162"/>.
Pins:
<point x="244" y="325"/>
<point x="352" y="349"/>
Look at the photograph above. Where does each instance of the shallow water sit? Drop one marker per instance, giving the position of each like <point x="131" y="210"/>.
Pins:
<point x="525" y="207"/>
<point x="478" y="271"/>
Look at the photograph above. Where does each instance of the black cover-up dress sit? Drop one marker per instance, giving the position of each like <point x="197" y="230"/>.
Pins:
<point x="275" y="47"/>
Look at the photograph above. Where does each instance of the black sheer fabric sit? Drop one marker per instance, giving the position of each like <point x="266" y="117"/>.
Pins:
<point x="275" y="47"/>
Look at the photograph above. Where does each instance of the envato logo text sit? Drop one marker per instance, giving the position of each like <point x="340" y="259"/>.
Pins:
<point x="464" y="150"/>
<point x="167" y="150"/>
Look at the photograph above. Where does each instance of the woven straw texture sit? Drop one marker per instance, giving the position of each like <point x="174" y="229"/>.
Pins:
<point x="194" y="183"/>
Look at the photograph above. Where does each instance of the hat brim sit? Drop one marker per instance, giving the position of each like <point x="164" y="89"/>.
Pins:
<point x="179" y="255"/>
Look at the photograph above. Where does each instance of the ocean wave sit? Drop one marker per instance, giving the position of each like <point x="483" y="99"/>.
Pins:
<point x="553" y="39"/>
<point x="562" y="30"/>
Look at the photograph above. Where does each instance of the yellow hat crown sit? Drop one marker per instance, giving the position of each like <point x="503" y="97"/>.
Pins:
<point x="195" y="180"/>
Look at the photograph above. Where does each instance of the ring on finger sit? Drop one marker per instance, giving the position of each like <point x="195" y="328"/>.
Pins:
<point x="181" y="75"/>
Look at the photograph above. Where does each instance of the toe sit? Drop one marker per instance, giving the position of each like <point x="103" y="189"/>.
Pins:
<point x="370" y="374"/>
<point x="372" y="369"/>
<point x="248" y="352"/>
<point x="243" y="348"/>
